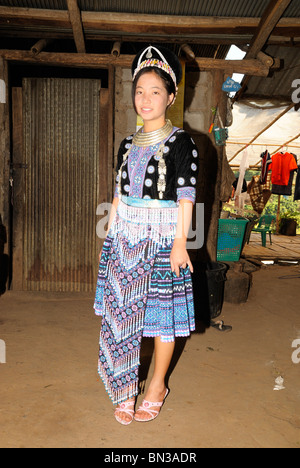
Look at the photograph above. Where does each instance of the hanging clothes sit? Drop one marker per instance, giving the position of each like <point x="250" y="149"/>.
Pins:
<point x="285" y="189"/>
<point x="239" y="201"/>
<point x="259" y="193"/>
<point x="265" y="166"/>
<point x="282" y="165"/>
<point x="244" y="186"/>
<point x="297" y="188"/>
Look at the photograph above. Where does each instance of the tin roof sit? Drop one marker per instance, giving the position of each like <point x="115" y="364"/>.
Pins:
<point x="210" y="43"/>
<point x="278" y="84"/>
<point x="233" y="8"/>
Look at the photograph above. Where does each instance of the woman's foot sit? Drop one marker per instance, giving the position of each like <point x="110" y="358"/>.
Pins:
<point x="125" y="411"/>
<point x="151" y="405"/>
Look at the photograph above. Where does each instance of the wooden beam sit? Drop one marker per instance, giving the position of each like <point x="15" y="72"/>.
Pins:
<point x="251" y="67"/>
<point x="75" y="19"/>
<point x="145" y="23"/>
<point x="99" y="23"/>
<point x="113" y="36"/>
<point x="116" y="49"/>
<point x="266" y="59"/>
<point x="188" y="52"/>
<point x="34" y="16"/>
<point x="287" y="143"/>
<point x="91" y="35"/>
<point x="269" y="20"/>
<point x="40" y="45"/>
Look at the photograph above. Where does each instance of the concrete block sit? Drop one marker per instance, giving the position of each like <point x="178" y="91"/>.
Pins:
<point x="196" y="79"/>
<point x="196" y="121"/>
<point x="126" y="75"/>
<point x="196" y="99"/>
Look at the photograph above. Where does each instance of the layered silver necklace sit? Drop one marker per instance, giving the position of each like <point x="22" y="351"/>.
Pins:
<point x="143" y="139"/>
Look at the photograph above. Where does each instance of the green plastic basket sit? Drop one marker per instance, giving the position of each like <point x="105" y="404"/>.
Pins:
<point x="231" y="235"/>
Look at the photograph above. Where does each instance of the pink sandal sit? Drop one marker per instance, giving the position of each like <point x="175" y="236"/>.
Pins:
<point x="147" y="405"/>
<point x="125" y="408"/>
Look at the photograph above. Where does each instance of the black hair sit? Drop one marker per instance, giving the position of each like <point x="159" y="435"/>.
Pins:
<point x="166" y="78"/>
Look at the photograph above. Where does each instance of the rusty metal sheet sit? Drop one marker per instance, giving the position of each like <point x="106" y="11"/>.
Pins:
<point x="61" y="150"/>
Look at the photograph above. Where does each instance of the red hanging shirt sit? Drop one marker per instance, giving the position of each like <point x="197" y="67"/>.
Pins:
<point x="281" y="167"/>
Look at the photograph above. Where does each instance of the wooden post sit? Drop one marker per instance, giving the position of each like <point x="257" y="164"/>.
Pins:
<point x="220" y="99"/>
<point x="278" y="215"/>
<point x="269" y="20"/>
<point x="111" y="126"/>
<point x="19" y="185"/>
<point x="75" y="19"/>
<point x="4" y="146"/>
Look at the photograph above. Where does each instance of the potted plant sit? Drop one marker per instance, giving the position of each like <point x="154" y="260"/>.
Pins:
<point x="289" y="223"/>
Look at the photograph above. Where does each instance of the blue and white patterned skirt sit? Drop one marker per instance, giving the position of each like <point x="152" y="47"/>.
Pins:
<point x="137" y="293"/>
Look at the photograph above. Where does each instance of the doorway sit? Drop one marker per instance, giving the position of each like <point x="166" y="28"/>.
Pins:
<point x="57" y="166"/>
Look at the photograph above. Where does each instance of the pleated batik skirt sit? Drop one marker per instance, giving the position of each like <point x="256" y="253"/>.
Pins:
<point x="137" y="293"/>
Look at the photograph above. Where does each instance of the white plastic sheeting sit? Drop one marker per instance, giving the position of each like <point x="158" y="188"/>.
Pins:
<point x="249" y="121"/>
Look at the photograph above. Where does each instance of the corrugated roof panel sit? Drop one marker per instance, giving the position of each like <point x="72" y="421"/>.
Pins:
<point x="234" y="8"/>
<point x="218" y="8"/>
<point x="42" y="4"/>
<point x="280" y="83"/>
<point x="179" y="7"/>
<point x="293" y="11"/>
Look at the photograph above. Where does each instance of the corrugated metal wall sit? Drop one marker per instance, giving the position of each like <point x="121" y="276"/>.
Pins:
<point x="61" y="150"/>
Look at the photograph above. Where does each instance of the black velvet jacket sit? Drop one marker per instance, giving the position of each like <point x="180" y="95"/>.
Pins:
<point x="182" y="166"/>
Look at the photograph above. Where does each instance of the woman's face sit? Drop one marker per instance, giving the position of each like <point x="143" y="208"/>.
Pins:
<point x="152" y="98"/>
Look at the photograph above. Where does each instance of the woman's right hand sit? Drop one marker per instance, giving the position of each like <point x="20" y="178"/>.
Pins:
<point x="114" y="208"/>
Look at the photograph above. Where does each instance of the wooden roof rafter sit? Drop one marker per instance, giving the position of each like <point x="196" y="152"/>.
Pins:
<point x="268" y="23"/>
<point x="76" y="22"/>
<point x="98" y="24"/>
<point x="270" y="19"/>
<point x="252" y="67"/>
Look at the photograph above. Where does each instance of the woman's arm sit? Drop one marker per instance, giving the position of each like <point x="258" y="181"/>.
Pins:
<point x="179" y="257"/>
<point x="113" y="211"/>
<point x="112" y="215"/>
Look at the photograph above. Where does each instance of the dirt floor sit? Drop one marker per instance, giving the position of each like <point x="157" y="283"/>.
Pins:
<point x="221" y="388"/>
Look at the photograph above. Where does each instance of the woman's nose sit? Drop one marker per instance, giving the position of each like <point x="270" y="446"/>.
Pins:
<point x="147" y="98"/>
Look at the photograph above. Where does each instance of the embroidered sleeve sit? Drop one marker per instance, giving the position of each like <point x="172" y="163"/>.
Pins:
<point x="187" y="168"/>
<point x="187" y="193"/>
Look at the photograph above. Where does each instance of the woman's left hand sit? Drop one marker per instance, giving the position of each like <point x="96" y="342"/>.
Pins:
<point x="179" y="258"/>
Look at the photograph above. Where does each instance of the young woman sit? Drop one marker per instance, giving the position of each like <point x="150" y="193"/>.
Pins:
<point x="144" y="284"/>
